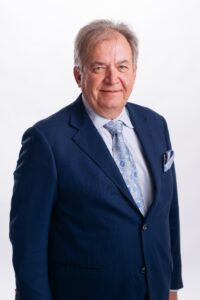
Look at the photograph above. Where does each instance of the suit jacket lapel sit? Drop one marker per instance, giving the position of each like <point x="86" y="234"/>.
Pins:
<point x="90" y="141"/>
<point x="145" y="136"/>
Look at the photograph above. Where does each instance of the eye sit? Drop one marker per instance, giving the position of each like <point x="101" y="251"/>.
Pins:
<point x="123" y="68"/>
<point x="98" y="69"/>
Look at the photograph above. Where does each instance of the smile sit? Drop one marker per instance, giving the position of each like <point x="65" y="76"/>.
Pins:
<point x="110" y="91"/>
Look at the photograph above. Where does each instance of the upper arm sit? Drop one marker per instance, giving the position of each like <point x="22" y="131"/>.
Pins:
<point x="34" y="194"/>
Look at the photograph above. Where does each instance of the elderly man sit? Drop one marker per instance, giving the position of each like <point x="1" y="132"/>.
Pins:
<point x="94" y="212"/>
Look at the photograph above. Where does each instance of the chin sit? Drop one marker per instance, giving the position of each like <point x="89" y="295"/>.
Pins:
<point x="115" y="104"/>
<point x="113" y="110"/>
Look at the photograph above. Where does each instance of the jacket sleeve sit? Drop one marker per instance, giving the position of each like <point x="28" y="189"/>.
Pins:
<point x="176" y="277"/>
<point x="33" y="197"/>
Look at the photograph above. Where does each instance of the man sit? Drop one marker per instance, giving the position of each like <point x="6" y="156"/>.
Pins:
<point x="94" y="209"/>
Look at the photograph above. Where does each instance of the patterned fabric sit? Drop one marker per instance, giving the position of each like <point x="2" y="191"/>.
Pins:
<point x="125" y="162"/>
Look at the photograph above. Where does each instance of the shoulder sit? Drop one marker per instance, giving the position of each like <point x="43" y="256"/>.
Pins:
<point x="55" y="120"/>
<point x="52" y="127"/>
<point x="140" y="113"/>
<point x="58" y="122"/>
<point x="152" y="120"/>
<point x="144" y="112"/>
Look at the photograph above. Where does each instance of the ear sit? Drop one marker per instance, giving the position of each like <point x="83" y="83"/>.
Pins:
<point x="77" y="75"/>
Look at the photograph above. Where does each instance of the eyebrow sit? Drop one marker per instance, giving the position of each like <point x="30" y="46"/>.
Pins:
<point x="100" y="63"/>
<point x="125" y="61"/>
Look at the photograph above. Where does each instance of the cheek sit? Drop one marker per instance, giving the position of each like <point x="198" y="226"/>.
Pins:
<point x="126" y="85"/>
<point x="128" y="82"/>
<point x="91" y="83"/>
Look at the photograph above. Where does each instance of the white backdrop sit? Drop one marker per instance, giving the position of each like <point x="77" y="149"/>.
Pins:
<point x="36" y="79"/>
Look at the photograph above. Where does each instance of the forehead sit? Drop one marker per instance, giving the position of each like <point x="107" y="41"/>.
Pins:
<point x="115" y="45"/>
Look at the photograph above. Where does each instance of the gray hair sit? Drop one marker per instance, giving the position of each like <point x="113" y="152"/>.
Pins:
<point x="96" y="31"/>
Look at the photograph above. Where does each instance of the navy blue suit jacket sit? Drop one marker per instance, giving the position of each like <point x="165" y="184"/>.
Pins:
<point x="75" y="229"/>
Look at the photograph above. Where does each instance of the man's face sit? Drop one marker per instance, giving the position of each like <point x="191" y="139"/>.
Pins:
<point x="108" y="75"/>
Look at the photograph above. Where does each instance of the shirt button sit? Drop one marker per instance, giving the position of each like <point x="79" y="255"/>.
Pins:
<point x="144" y="227"/>
<point x="143" y="270"/>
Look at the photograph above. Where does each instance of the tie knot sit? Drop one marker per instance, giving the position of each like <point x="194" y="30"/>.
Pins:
<point x="114" y="127"/>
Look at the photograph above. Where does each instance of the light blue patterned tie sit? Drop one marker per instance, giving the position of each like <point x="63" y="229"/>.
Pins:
<point x="125" y="162"/>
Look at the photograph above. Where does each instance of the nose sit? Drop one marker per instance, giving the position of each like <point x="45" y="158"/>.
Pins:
<point x="112" y="76"/>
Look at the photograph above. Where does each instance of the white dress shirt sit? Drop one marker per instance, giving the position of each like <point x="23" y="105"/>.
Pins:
<point x="132" y="143"/>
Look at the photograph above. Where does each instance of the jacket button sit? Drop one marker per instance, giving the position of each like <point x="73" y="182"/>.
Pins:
<point x="144" y="227"/>
<point x="143" y="270"/>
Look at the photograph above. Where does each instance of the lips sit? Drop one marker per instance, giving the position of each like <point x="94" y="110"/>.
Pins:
<point x="110" y="91"/>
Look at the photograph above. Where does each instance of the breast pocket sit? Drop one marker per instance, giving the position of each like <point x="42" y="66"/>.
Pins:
<point x="167" y="184"/>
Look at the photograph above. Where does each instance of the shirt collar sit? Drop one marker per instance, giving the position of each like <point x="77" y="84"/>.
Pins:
<point x="100" y="121"/>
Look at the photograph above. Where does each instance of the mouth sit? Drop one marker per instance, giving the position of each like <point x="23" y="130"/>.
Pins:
<point x="111" y="91"/>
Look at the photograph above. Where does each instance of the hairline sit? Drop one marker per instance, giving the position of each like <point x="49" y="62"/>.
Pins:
<point x="98" y="31"/>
